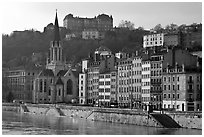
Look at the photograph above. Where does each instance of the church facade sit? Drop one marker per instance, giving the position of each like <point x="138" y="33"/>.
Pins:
<point x="56" y="83"/>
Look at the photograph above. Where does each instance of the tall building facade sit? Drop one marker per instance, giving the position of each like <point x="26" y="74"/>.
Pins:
<point x="125" y="82"/>
<point x="136" y="81"/>
<point x="107" y="88"/>
<point x="20" y="82"/>
<point x="182" y="88"/>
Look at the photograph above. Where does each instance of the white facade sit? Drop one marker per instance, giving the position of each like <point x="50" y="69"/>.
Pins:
<point x="175" y="104"/>
<point x="153" y="40"/>
<point x="136" y="80"/>
<point x="146" y="72"/>
<point x="84" y="65"/>
<point x="90" y="34"/>
<point x="104" y="87"/>
<point x="82" y="88"/>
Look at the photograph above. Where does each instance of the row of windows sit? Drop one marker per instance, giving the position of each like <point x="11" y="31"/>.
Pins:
<point x="169" y="106"/>
<point x="169" y="79"/>
<point x="104" y="83"/>
<point x="173" y="87"/>
<point x="137" y="65"/>
<point x="145" y="76"/>
<point x="133" y="89"/>
<point x="129" y="81"/>
<point x="156" y="65"/>
<point x="93" y="81"/>
<point x="124" y="98"/>
<point x="145" y="91"/>
<point x="104" y="97"/>
<point x="93" y="75"/>
<point x="145" y="68"/>
<point x="146" y="99"/>
<point x="43" y="86"/>
<point x="104" y="90"/>
<point x="127" y="74"/>
<point x="168" y="96"/>
<point x="145" y="83"/>
<point x="93" y="69"/>
<point x="150" y="43"/>
<point x="125" y="67"/>
<point x="93" y="87"/>
<point x="104" y="76"/>
<point x="156" y="73"/>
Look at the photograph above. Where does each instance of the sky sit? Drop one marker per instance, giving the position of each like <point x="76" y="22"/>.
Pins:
<point x="37" y="15"/>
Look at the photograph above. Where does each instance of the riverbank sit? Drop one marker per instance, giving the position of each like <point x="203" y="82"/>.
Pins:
<point x="114" y="115"/>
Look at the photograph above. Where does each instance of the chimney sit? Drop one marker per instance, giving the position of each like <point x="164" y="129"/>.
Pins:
<point x="136" y="53"/>
<point x="183" y="67"/>
<point x="197" y="62"/>
<point x="167" y="68"/>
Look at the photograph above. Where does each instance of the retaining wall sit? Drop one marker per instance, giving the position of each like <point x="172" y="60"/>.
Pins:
<point x="188" y="120"/>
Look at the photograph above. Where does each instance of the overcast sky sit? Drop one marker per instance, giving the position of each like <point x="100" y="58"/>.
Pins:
<point x="36" y="15"/>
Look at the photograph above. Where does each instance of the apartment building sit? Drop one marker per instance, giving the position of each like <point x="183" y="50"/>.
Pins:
<point x="107" y="88"/>
<point x="182" y="88"/>
<point x="153" y="40"/>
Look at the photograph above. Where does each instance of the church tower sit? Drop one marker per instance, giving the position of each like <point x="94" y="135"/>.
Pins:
<point x="55" y="61"/>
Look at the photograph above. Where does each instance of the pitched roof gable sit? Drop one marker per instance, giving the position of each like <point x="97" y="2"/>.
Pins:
<point x="47" y="72"/>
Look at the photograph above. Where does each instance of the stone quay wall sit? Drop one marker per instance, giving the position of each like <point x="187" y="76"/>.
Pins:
<point x="191" y="120"/>
<point x="114" y="115"/>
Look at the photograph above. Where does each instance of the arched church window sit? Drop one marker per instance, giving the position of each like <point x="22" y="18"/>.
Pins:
<point x="45" y="85"/>
<point x="41" y="83"/>
<point x="49" y="92"/>
<point x="55" y="53"/>
<point x="69" y="87"/>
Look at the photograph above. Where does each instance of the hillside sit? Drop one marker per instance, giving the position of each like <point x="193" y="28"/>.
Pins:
<point x="18" y="47"/>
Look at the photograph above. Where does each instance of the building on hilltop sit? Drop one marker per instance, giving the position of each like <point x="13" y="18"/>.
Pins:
<point x="56" y="83"/>
<point x="83" y="27"/>
<point x="101" y="23"/>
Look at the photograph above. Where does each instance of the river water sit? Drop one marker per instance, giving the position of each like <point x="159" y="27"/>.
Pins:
<point x="31" y="124"/>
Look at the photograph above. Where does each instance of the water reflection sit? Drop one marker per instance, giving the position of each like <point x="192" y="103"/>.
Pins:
<point x="15" y="123"/>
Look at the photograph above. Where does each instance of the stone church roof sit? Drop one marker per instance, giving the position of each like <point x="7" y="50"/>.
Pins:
<point x="75" y="73"/>
<point x="59" y="81"/>
<point x="61" y="72"/>
<point x="46" y="72"/>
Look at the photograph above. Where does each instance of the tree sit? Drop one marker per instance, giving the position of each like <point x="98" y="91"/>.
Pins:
<point x="171" y="27"/>
<point x="10" y="97"/>
<point x="158" y="28"/>
<point x="126" y="24"/>
<point x="140" y="28"/>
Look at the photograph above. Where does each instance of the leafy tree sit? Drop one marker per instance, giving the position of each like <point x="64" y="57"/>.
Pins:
<point x="126" y="24"/>
<point x="140" y="28"/>
<point x="158" y="28"/>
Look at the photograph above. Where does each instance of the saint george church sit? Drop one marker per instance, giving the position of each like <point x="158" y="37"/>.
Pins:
<point x="56" y="83"/>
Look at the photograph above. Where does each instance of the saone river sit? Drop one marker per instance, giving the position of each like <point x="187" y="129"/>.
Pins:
<point x="30" y="124"/>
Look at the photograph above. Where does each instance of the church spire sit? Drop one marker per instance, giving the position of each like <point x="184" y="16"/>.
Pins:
<point x="56" y="29"/>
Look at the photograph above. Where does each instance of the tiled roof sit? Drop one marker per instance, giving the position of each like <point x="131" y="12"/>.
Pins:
<point x="47" y="72"/>
<point x="76" y="73"/>
<point x="61" y="72"/>
<point x="59" y="81"/>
